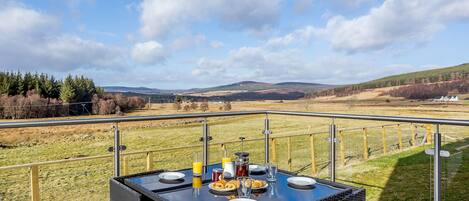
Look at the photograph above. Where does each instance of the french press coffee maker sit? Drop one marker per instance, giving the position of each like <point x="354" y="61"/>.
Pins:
<point x="242" y="164"/>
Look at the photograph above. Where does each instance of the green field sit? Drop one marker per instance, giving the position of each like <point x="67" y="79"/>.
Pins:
<point x="405" y="174"/>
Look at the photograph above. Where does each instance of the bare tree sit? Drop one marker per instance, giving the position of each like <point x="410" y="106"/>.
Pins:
<point x="194" y="105"/>
<point x="227" y="105"/>
<point x="204" y="106"/>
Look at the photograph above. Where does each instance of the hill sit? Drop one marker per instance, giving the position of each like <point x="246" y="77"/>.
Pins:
<point x="427" y="76"/>
<point x="140" y="90"/>
<point x="246" y="90"/>
<point x="251" y="86"/>
<point x="459" y="72"/>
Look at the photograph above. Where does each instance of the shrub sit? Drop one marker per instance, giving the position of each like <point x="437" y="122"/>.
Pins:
<point x="204" y="106"/>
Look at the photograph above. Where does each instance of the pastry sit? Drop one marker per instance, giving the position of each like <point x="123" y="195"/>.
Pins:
<point x="230" y="186"/>
<point x="233" y="184"/>
<point x="258" y="183"/>
<point x="219" y="185"/>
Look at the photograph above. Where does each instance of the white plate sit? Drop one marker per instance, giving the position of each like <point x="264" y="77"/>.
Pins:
<point x="257" y="168"/>
<point x="171" y="175"/>
<point x="210" y="186"/>
<point x="301" y="181"/>
<point x="242" y="199"/>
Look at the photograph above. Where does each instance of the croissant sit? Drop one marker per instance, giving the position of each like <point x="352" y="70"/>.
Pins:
<point x="234" y="182"/>
<point x="218" y="185"/>
<point x="258" y="183"/>
<point x="230" y="186"/>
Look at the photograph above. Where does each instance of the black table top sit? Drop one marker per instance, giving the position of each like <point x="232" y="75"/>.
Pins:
<point x="151" y="186"/>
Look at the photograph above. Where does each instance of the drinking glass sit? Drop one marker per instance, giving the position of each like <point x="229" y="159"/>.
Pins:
<point x="229" y="170"/>
<point x="197" y="165"/>
<point x="225" y="160"/>
<point x="244" y="189"/>
<point x="196" y="185"/>
<point x="271" y="172"/>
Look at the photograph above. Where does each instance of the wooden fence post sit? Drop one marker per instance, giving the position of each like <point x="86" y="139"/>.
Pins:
<point x="385" y="150"/>
<point x="365" y="143"/>
<point x="125" y="168"/>
<point x="34" y="171"/>
<point x="429" y="133"/>
<point x="414" y="134"/>
<point x="313" y="156"/>
<point x="399" y="136"/>
<point x="289" y="154"/>
<point x="342" y="147"/>
<point x="149" y="161"/>
<point x="223" y="149"/>
<point x="274" y="150"/>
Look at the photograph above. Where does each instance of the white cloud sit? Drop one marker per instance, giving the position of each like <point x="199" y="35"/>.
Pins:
<point x="288" y="64"/>
<point x="395" y="22"/>
<point x="216" y="44"/>
<point x="303" y="35"/>
<point x="252" y="63"/>
<point x="159" y="17"/>
<point x="30" y="42"/>
<point x="150" y="52"/>
<point x="187" y="42"/>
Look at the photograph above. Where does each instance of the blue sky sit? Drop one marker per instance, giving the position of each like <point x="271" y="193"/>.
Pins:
<point x="198" y="43"/>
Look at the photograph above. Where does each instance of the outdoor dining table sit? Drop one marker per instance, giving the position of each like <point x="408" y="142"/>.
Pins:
<point x="148" y="186"/>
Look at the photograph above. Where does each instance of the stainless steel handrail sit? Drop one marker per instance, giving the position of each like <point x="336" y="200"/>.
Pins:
<point x="24" y="124"/>
<point x="458" y="122"/>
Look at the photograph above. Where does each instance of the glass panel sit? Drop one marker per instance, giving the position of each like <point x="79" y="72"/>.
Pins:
<point x="65" y="179"/>
<point x="228" y="130"/>
<point x="170" y="143"/>
<point x="391" y="174"/>
<point x="455" y="169"/>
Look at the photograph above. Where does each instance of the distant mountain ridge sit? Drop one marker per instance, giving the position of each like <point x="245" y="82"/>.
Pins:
<point x="123" y="89"/>
<point x="251" y="86"/>
<point x="245" y="90"/>
<point x="238" y="86"/>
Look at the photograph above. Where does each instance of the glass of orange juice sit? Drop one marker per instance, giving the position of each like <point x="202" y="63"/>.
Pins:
<point x="196" y="182"/>
<point x="196" y="185"/>
<point x="224" y="160"/>
<point x="197" y="165"/>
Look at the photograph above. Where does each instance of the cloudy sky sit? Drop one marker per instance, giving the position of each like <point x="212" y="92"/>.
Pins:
<point x="198" y="43"/>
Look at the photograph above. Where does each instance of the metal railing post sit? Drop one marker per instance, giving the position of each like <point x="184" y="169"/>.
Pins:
<point x="437" y="165"/>
<point x="266" y="138"/>
<point x="205" y="138"/>
<point x="117" y="168"/>
<point x="332" y="153"/>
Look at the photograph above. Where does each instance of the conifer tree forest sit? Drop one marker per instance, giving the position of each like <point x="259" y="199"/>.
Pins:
<point x="28" y="95"/>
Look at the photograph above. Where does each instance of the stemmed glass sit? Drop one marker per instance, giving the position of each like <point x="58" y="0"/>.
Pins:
<point x="244" y="189"/>
<point x="271" y="169"/>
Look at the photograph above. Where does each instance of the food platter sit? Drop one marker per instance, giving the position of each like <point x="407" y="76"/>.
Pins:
<point x="224" y="185"/>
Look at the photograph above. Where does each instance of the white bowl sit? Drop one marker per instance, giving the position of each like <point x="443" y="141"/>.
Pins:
<point x="257" y="168"/>
<point x="171" y="176"/>
<point x="301" y="181"/>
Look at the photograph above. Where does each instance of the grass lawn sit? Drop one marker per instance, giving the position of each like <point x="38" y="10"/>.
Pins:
<point x="407" y="175"/>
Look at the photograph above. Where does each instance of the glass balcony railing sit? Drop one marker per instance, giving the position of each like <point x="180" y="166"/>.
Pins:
<point x="392" y="157"/>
